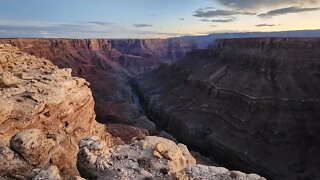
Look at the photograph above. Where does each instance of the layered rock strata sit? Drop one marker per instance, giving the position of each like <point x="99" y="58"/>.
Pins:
<point x="44" y="113"/>
<point x="108" y="65"/>
<point x="252" y="104"/>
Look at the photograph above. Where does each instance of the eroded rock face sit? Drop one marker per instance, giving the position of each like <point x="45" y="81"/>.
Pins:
<point x="253" y="104"/>
<point x="52" y="173"/>
<point x="44" y="112"/>
<point x="108" y="66"/>
<point x="32" y="145"/>
<point x="150" y="53"/>
<point x="148" y="158"/>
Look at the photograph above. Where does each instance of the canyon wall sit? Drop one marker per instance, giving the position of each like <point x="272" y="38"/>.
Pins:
<point x="150" y="52"/>
<point x="107" y="65"/>
<point x="251" y="104"/>
<point x="44" y="113"/>
<point x="160" y="49"/>
<point x="48" y="131"/>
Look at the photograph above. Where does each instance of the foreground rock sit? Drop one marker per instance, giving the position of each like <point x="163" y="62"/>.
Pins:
<point x="253" y="104"/>
<point x="148" y="158"/>
<point x="44" y="112"/>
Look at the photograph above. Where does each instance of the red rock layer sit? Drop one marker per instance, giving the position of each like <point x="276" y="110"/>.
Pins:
<point x="44" y="112"/>
<point x="107" y="68"/>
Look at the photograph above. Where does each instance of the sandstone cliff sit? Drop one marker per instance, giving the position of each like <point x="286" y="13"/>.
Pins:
<point x="44" y="113"/>
<point x="107" y="68"/>
<point x="252" y="104"/>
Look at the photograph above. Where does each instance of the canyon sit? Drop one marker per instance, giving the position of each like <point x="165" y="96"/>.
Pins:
<point x="252" y="104"/>
<point x="248" y="104"/>
<point x="108" y="65"/>
<point x="48" y="131"/>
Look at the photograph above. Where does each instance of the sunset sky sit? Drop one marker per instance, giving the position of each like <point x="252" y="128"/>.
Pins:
<point x="152" y="18"/>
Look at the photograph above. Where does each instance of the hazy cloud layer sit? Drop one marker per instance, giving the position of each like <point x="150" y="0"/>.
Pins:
<point x="217" y="13"/>
<point x="265" y="25"/>
<point x="225" y="20"/>
<point x="288" y="10"/>
<point x="92" y="29"/>
<point x="142" y="25"/>
<point x="100" y="23"/>
<point x="256" y="4"/>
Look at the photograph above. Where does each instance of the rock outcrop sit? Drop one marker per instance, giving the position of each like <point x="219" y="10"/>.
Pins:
<point x="148" y="158"/>
<point x="108" y="65"/>
<point x="139" y="55"/>
<point x="252" y="104"/>
<point x="44" y="113"/>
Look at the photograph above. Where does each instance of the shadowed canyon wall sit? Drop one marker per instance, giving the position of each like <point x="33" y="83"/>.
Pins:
<point x="251" y="104"/>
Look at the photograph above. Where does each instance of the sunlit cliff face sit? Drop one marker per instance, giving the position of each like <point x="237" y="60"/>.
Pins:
<point x="158" y="18"/>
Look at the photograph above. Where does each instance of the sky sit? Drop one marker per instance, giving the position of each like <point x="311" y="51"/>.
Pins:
<point x="152" y="18"/>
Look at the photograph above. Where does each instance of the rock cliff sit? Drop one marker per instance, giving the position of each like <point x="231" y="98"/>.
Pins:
<point x="48" y="131"/>
<point x="251" y="104"/>
<point x="44" y="113"/>
<point x="108" y="66"/>
<point x="160" y="49"/>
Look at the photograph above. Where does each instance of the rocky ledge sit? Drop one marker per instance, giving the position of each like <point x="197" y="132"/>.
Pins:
<point x="44" y="113"/>
<point x="147" y="157"/>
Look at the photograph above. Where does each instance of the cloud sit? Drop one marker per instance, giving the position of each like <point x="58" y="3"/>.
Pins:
<point x="217" y="13"/>
<point x="43" y="29"/>
<point x="265" y="25"/>
<point x="226" y="20"/>
<point x="101" y="23"/>
<point x="209" y="7"/>
<point x="205" y="20"/>
<point x="288" y="10"/>
<point x="181" y="19"/>
<point x="142" y="25"/>
<point x="39" y="29"/>
<point x="170" y="34"/>
<point x="257" y="4"/>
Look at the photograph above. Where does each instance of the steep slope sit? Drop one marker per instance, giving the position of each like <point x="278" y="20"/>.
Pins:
<point x="107" y="68"/>
<point x="251" y="104"/>
<point x="143" y="54"/>
<point x="44" y="113"/>
<point x="48" y="131"/>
